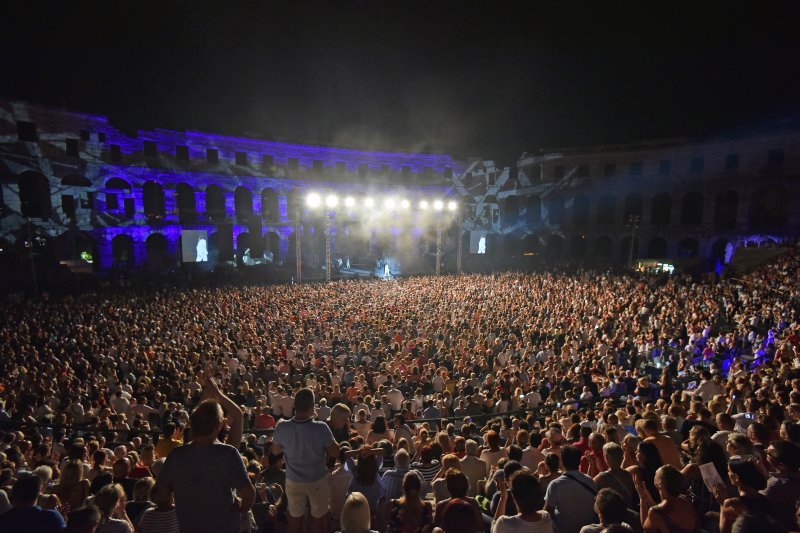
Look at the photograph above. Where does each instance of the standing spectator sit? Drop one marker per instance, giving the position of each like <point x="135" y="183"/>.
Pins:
<point x="570" y="497"/>
<point x="783" y="486"/>
<point x="203" y="475"/>
<point x="306" y="444"/>
<point x="24" y="514"/>
<point x="527" y="495"/>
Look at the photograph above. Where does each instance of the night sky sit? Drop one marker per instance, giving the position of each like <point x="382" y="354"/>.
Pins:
<point x="488" y="79"/>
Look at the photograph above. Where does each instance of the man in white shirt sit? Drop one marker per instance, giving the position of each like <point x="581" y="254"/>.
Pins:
<point x="395" y="399"/>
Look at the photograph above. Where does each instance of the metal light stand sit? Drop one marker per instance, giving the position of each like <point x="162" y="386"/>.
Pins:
<point x="298" y="246"/>
<point x="439" y="244"/>
<point x="328" y="245"/>
<point x="633" y="222"/>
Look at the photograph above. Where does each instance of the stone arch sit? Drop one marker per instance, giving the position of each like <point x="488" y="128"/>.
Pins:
<point x="726" y="209"/>
<point x="272" y="243"/>
<point x="688" y="247"/>
<point x="122" y="251"/>
<point x="34" y="195"/>
<point x="661" y="209"/>
<point x="657" y="249"/>
<point x="533" y="210"/>
<point x="269" y="205"/>
<point x="157" y="250"/>
<point x="769" y="207"/>
<point x="603" y="247"/>
<point x="243" y="203"/>
<point x="606" y="209"/>
<point x="580" y="210"/>
<point x="510" y="210"/>
<point x="242" y="243"/>
<point x="692" y="208"/>
<point x="153" y="200"/>
<point x="185" y="202"/>
<point x="633" y="207"/>
<point x="215" y="202"/>
<point x="118" y="184"/>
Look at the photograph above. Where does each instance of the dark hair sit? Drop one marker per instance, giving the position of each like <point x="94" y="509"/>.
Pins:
<point x="366" y="469"/>
<point x="379" y="425"/>
<point x="411" y="484"/>
<point x="26" y="489"/>
<point x="652" y="459"/>
<point x="457" y="483"/>
<point x="787" y="453"/>
<point x="426" y="454"/>
<point x="611" y="505"/>
<point x="515" y="453"/>
<point x="304" y="400"/>
<point x="552" y="461"/>
<point x="747" y="473"/>
<point x="526" y="491"/>
<point x="570" y="457"/>
<point x="458" y="515"/>
<point x="83" y="517"/>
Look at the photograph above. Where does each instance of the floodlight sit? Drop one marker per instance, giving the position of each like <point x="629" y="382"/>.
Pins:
<point x="389" y="203"/>
<point x="423" y="204"/>
<point x="349" y="201"/>
<point x="438" y="205"/>
<point x="405" y="204"/>
<point x="369" y="202"/>
<point x="451" y="205"/>
<point x="313" y="200"/>
<point x="332" y="200"/>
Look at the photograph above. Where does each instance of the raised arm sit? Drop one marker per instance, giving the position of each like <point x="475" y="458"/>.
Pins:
<point x="233" y="412"/>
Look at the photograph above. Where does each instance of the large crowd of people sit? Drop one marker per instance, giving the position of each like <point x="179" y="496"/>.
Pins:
<point x="542" y="402"/>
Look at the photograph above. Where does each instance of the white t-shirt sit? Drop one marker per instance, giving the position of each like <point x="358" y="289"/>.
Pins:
<point x="514" y="524"/>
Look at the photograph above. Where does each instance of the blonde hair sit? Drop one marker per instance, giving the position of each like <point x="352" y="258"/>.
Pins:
<point x="108" y="497"/>
<point x="71" y="474"/>
<point x="450" y="461"/>
<point x="355" y="514"/>
<point x="342" y="410"/>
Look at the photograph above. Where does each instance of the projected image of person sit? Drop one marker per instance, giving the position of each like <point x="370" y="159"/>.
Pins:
<point x="202" y="251"/>
<point x="482" y="245"/>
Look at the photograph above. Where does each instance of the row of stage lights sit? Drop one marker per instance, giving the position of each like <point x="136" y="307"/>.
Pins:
<point x="331" y="201"/>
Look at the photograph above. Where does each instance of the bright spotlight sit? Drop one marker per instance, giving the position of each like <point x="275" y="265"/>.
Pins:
<point x="349" y="201"/>
<point x="389" y="203"/>
<point x="423" y="204"/>
<point x="438" y="205"/>
<point x="313" y="200"/>
<point x="405" y="204"/>
<point x="332" y="200"/>
<point x="451" y="205"/>
<point x="369" y="202"/>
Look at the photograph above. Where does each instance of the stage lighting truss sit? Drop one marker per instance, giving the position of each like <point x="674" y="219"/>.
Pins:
<point x="315" y="200"/>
